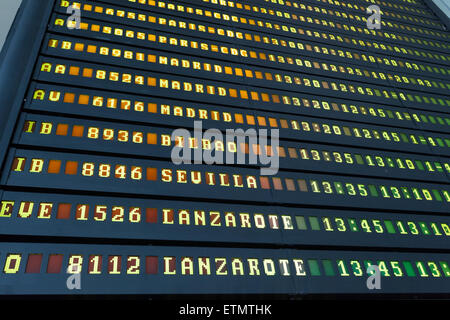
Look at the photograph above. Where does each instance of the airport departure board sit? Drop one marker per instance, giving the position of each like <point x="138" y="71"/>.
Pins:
<point x="117" y="164"/>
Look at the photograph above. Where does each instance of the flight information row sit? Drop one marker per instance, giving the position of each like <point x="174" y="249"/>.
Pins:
<point x="392" y="13"/>
<point x="241" y="147"/>
<point x="86" y="172"/>
<point x="138" y="58"/>
<point x="301" y="14"/>
<point x="262" y="49"/>
<point x="348" y="35"/>
<point x="143" y="82"/>
<point x="153" y="110"/>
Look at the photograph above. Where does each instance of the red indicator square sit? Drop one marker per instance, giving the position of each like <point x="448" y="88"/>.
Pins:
<point x="268" y="150"/>
<point x="224" y="180"/>
<point x="202" y="266"/>
<point x="151" y="265"/>
<point x="34" y="263"/>
<point x="83" y="99"/>
<point x="74" y="71"/>
<point x="95" y="28"/>
<point x="18" y="164"/>
<point x="281" y="152"/>
<point x="152" y="215"/>
<point x="244" y="148"/>
<point x="54" y="263"/>
<point x="29" y="126"/>
<point x="152" y="107"/>
<point x="87" y="72"/>
<point x="151" y="82"/>
<point x="133" y="265"/>
<point x="262" y="121"/>
<point x="82" y="212"/>
<point x="151" y="138"/>
<point x="250" y="119"/>
<point x="63" y="211"/>
<point x="79" y="47"/>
